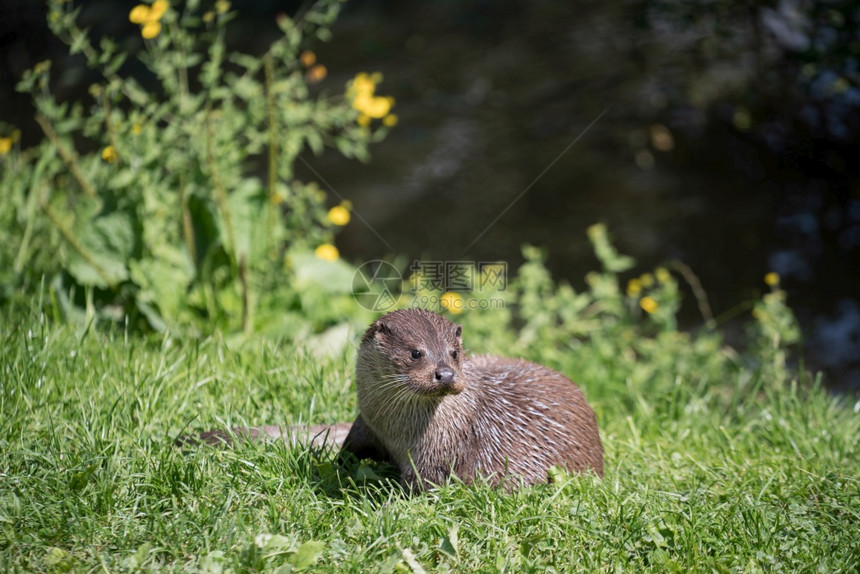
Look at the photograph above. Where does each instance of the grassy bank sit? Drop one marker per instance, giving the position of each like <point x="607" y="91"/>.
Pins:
<point x="702" y="474"/>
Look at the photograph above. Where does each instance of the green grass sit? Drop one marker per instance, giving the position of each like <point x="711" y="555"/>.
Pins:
<point x="701" y="475"/>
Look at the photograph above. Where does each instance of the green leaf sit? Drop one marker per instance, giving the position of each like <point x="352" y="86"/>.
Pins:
<point x="118" y="231"/>
<point x="315" y="141"/>
<point x="79" y="41"/>
<point x="123" y="179"/>
<point x="364" y="472"/>
<point x="80" y="479"/>
<point x="213" y="563"/>
<point x="326" y="276"/>
<point x="102" y="247"/>
<point x="136" y="560"/>
<point x="450" y="543"/>
<point x="246" y="88"/>
<point x="308" y="553"/>
<point x="247" y="206"/>
<point x="59" y="559"/>
<point x="163" y="281"/>
<point x="272" y="542"/>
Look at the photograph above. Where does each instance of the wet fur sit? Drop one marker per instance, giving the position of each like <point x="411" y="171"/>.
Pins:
<point x="498" y="418"/>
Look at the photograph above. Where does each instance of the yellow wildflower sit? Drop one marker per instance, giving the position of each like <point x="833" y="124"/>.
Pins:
<point x="363" y="120"/>
<point x="308" y="58"/>
<point x="150" y="30"/>
<point x="317" y="73"/>
<point x="663" y="276"/>
<point x="390" y="120"/>
<point x="339" y="215"/>
<point x="361" y="91"/>
<point x="361" y="85"/>
<point x="221" y="6"/>
<point x="139" y="14"/>
<point x="647" y="280"/>
<point x="109" y="154"/>
<point x="208" y="16"/>
<point x="5" y="145"/>
<point x="634" y="287"/>
<point x="452" y="301"/>
<point x="149" y="17"/>
<point x="376" y="107"/>
<point x="136" y="129"/>
<point x="648" y="304"/>
<point x="772" y="279"/>
<point x="327" y="252"/>
<point x="159" y="7"/>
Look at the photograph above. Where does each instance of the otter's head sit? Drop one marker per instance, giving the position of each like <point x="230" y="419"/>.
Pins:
<point x="413" y="349"/>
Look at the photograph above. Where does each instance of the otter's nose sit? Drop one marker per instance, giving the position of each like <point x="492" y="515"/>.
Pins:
<point x="444" y="375"/>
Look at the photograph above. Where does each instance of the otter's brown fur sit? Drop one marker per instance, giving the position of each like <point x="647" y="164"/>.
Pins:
<point x="433" y="413"/>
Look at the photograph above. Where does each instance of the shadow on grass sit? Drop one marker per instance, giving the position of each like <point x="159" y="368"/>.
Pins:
<point x="318" y="465"/>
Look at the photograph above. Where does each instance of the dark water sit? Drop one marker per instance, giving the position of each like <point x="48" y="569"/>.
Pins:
<point x="712" y="142"/>
<point x="489" y="100"/>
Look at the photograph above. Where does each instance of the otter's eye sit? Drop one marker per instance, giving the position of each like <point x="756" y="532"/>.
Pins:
<point x="455" y="354"/>
<point x="416" y="354"/>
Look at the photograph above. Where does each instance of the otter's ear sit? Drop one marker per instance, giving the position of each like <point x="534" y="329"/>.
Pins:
<point x="376" y="327"/>
<point x="458" y="332"/>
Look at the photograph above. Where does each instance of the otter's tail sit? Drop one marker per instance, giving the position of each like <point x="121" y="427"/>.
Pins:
<point x="317" y="435"/>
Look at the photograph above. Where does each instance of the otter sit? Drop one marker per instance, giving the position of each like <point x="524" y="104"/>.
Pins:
<point x="432" y="412"/>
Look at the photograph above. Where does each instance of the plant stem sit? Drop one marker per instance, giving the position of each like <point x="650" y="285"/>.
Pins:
<point x="182" y="68"/>
<point x="698" y="292"/>
<point x="69" y="157"/>
<point x="187" y="223"/>
<point x="220" y="193"/>
<point x="31" y="214"/>
<point x="273" y="150"/>
<point x="246" y="308"/>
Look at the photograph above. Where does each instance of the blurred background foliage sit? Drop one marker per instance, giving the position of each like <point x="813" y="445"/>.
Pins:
<point x="169" y="198"/>
<point x="726" y="147"/>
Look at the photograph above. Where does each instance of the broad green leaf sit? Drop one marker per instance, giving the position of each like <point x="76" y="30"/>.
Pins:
<point x="247" y="206"/>
<point x="213" y="563"/>
<point x="163" y="281"/>
<point x="102" y="247"/>
<point x="327" y="276"/>
<point x="451" y="543"/>
<point x="308" y="553"/>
